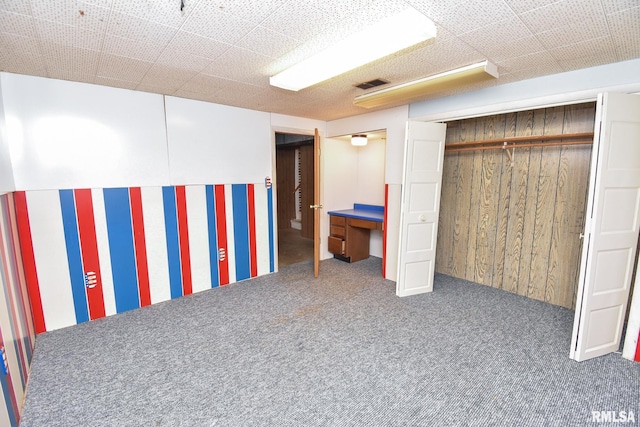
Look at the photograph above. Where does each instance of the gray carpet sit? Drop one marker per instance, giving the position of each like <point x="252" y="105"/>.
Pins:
<point x="342" y="350"/>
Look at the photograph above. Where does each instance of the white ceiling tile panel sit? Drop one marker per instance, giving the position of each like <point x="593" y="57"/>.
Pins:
<point x="73" y="59"/>
<point x="121" y="68"/>
<point x="138" y="29"/>
<point x="540" y="60"/>
<point x="159" y="71"/>
<point x="159" y="85"/>
<point x="197" y="45"/>
<point x="570" y="64"/>
<point x="70" y="75"/>
<point x="23" y="62"/>
<point x="205" y="84"/>
<point x="594" y="49"/>
<point x="240" y="65"/>
<point x="207" y="20"/>
<point x="137" y="50"/>
<point x="181" y="60"/>
<point x="15" y="23"/>
<point x="103" y="3"/>
<point x="123" y="84"/>
<point x="165" y="12"/>
<point x="267" y="42"/>
<point x="154" y="89"/>
<point x="511" y="48"/>
<point x="521" y="6"/>
<point x="574" y="33"/>
<point x="625" y="32"/>
<point x="612" y="6"/>
<point x="70" y="12"/>
<point x="68" y="35"/>
<point x="562" y="14"/>
<point x="17" y="6"/>
<point x="254" y="11"/>
<point x="302" y="22"/>
<point x="200" y="96"/>
<point x="494" y="36"/>
<point x="19" y="44"/>
<point x="469" y="16"/>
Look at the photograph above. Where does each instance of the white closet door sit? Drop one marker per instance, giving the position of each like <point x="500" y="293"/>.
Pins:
<point x="421" y="186"/>
<point x="611" y="229"/>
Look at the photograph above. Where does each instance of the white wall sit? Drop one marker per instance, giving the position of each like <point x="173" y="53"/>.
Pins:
<point x="6" y="170"/>
<point x="557" y="89"/>
<point x="212" y="143"/>
<point x="75" y="135"/>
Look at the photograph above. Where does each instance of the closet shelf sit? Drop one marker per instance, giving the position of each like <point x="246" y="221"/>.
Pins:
<point x="522" y="142"/>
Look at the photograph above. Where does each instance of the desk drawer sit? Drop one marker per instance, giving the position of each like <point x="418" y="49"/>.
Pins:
<point x="336" y="245"/>
<point x="337" y="220"/>
<point x="363" y="223"/>
<point x="337" y="231"/>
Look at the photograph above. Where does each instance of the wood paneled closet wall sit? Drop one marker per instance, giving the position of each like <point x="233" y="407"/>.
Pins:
<point x="517" y="228"/>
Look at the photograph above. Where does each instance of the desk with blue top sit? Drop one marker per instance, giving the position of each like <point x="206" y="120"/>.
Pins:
<point x="350" y="230"/>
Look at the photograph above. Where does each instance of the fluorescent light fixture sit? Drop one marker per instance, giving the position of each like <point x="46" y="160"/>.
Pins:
<point x="388" y="36"/>
<point x="359" y="140"/>
<point x="484" y="70"/>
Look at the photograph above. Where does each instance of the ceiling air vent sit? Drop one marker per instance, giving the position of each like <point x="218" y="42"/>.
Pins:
<point x="372" y="83"/>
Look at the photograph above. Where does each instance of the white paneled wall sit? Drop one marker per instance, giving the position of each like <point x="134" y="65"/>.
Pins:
<point x="6" y="171"/>
<point x="75" y="135"/>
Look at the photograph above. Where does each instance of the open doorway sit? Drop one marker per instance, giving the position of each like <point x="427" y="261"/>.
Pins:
<point x="294" y="171"/>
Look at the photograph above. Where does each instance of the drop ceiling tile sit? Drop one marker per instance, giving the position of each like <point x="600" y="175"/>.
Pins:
<point x="625" y="32"/>
<point x="495" y="34"/>
<point x="574" y="33"/>
<point x="613" y="6"/>
<point x="19" y="44"/>
<point x="512" y="49"/>
<point x="254" y="11"/>
<point x="160" y="85"/>
<point x="570" y="64"/>
<point x="165" y="12"/>
<point x="68" y="35"/>
<point x="198" y="45"/>
<point x="74" y="13"/>
<point x="71" y="59"/>
<point x="22" y="62"/>
<point x="121" y="68"/>
<point x="268" y="43"/>
<point x="531" y="61"/>
<point x="153" y="89"/>
<point x="15" y="23"/>
<point x="207" y="20"/>
<point x="159" y="71"/>
<point x="23" y="7"/>
<point x="469" y="16"/>
<point x="303" y="22"/>
<point x="205" y="84"/>
<point x="240" y="65"/>
<point x="521" y="6"/>
<point x="561" y="14"/>
<point x="123" y="84"/>
<point x="184" y="61"/>
<point x="102" y="3"/>
<point x="595" y="49"/>
<point x="128" y="48"/>
<point x="200" y="96"/>
<point x="139" y="30"/>
<point x="71" y="76"/>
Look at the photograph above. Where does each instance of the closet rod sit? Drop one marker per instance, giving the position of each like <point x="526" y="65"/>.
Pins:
<point x="516" y="139"/>
<point x="451" y="149"/>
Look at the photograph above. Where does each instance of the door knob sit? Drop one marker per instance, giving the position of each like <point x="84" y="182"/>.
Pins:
<point x="422" y="218"/>
<point x="315" y="206"/>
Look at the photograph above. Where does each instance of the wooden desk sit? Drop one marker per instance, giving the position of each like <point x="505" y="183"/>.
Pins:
<point x="350" y="230"/>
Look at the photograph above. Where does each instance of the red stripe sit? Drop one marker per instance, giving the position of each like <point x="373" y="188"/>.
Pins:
<point x="252" y="230"/>
<point x="89" y="249"/>
<point x="137" y="219"/>
<point x="29" y="261"/>
<point x="12" y="394"/>
<point x="183" y="231"/>
<point x="221" y="229"/>
<point x="637" y="358"/>
<point x="10" y="284"/>
<point x="384" y="232"/>
<point x="24" y="298"/>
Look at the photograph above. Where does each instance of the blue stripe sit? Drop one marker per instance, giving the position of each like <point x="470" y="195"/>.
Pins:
<point x="121" y="247"/>
<point x="270" y="225"/>
<point x="173" y="240"/>
<point x="22" y="317"/>
<point x="74" y="258"/>
<point x="241" y="231"/>
<point x="13" y="422"/>
<point x="213" y="236"/>
<point x="4" y="276"/>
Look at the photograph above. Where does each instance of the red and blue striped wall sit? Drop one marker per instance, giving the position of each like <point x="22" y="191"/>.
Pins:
<point x="17" y="335"/>
<point x="91" y="253"/>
